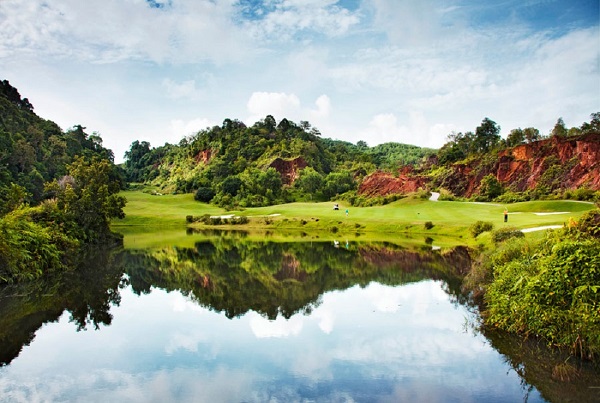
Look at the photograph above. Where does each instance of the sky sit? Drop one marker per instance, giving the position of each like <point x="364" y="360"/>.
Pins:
<point x="408" y="71"/>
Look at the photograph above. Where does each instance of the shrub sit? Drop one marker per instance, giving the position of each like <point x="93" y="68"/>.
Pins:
<point x="204" y="194"/>
<point x="239" y="220"/>
<point x="490" y="187"/>
<point x="589" y="223"/>
<point x="552" y="293"/>
<point x="480" y="227"/>
<point x="512" y="197"/>
<point x="506" y="233"/>
<point x="428" y="225"/>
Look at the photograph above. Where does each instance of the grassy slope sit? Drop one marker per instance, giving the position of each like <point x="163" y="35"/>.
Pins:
<point x="406" y="216"/>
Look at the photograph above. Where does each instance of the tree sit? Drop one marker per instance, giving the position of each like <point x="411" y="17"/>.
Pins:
<point x="593" y="126"/>
<point x="310" y="181"/>
<point x="231" y="185"/>
<point x="515" y="137"/>
<point x="204" y="194"/>
<point x="134" y="160"/>
<point x="559" y="130"/>
<point x="490" y="187"/>
<point x="269" y="183"/>
<point x="487" y="136"/>
<point x="337" y="183"/>
<point x="531" y="134"/>
<point x="90" y="198"/>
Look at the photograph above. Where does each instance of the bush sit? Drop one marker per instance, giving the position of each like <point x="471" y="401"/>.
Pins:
<point x="583" y="194"/>
<point x="589" y="223"/>
<point x="480" y="227"/>
<point x="552" y="293"/>
<point x="428" y="225"/>
<point x="506" y="233"/>
<point x="512" y="197"/>
<point x="204" y="195"/>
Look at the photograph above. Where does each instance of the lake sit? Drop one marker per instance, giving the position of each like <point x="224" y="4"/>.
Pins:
<point x="223" y="318"/>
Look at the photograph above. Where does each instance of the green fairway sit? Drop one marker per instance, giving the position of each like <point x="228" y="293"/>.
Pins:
<point x="407" y="216"/>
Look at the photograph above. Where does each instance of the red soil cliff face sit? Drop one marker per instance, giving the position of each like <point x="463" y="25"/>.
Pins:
<point x="204" y="156"/>
<point x="383" y="183"/>
<point x="288" y="169"/>
<point x="575" y="163"/>
<point x="578" y="159"/>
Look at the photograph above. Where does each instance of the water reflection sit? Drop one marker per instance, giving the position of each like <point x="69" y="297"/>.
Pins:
<point x="229" y="319"/>
<point x="87" y="294"/>
<point x="277" y="278"/>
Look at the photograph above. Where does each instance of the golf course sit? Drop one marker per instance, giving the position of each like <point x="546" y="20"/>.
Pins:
<point x="447" y="221"/>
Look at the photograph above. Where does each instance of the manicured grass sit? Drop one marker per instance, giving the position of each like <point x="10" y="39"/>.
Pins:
<point x="407" y="216"/>
<point x="148" y="210"/>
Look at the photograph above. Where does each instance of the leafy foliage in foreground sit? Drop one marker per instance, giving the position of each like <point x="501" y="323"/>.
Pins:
<point x="550" y="290"/>
<point x="35" y="241"/>
<point x="69" y="178"/>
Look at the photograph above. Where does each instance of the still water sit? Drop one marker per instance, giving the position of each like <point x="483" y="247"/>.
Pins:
<point x="230" y="320"/>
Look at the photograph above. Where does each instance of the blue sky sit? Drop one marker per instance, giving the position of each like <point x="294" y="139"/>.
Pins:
<point x="410" y="71"/>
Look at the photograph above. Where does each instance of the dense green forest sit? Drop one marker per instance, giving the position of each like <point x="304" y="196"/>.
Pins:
<point x="235" y="165"/>
<point x="58" y="191"/>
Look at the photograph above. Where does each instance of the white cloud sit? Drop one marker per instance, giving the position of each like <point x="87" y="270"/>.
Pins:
<point x="114" y="30"/>
<point x="180" y="129"/>
<point x="323" y="104"/>
<point x="277" y="104"/>
<point x="409" y="71"/>
<point x="291" y="17"/>
<point x="408" y="22"/>
<point x="280" y="327"/>
<point x="185" y="89"/>
<point x="385" y="127"/>
<point x="326" y="319"/>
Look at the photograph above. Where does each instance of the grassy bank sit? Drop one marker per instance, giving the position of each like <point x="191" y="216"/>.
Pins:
<point x="408" y="216"/>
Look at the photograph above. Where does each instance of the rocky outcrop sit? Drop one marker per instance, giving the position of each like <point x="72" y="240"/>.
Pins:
<point x="204" y="156"/>
<point x="556" y="163"/>
<point x="288" y="169"/>
<point x="383" y="183"/>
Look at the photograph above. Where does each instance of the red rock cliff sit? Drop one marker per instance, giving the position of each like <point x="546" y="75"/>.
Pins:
<point x="575" y="163"/>
<point x="288" y="169"/>
<point x="383" y="183"/>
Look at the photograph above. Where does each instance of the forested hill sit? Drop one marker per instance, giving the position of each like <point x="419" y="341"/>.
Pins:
<point x="266" y="163"/>
<point x="34" y="150"/>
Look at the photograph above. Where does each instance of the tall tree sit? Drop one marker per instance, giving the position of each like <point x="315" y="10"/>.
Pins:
<point x="487" y="135"/>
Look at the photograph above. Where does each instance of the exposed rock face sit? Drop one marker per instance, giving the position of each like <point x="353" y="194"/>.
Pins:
<point x="579" y="157"/>
<point x="204" y="156"/>
<point x="575" y="163"/>
<point x="383" y="184"/>
<point x="288" y="169"/>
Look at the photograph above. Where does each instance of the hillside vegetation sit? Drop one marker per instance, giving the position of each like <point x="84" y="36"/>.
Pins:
<point x="58" y="191"/>
<point x="235" y="166"/>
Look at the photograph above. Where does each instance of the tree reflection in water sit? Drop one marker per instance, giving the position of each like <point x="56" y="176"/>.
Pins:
<point x="275" y="278"/>
<point x="233" y="275"/>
